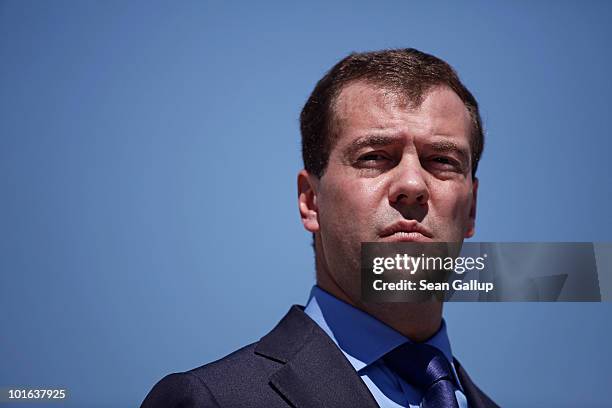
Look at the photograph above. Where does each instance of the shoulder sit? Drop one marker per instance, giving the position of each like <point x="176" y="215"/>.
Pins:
<point x="241" y="378"/>
<point x="180" y="390"/>
<point x="238" y="377"/>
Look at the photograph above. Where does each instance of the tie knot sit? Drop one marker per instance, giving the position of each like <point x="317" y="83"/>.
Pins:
<point x="419" y="364"/>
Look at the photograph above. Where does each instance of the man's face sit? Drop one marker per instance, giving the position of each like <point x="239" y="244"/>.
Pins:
<point x="394" y="174"/>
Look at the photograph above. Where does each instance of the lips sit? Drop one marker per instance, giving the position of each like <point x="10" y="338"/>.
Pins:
<point x="406" y="231"/>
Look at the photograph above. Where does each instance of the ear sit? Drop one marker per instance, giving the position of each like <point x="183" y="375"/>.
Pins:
<point x="471" y="229"/>
<point x="307" y="200"/>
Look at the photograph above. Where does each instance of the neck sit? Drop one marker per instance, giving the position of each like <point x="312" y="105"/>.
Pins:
<point x="416" y="321"/>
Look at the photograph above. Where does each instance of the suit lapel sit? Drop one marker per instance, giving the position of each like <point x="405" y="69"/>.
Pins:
<point x="475" y="397"/>
<point x="315" y="372"/>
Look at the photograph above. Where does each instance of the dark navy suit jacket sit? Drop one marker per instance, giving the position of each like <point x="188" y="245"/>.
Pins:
<point x="295" y="365"/>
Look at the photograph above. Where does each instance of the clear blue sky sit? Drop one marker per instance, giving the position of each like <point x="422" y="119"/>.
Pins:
<point x="148" y="160"/>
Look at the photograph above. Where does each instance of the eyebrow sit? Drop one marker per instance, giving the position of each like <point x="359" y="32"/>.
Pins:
<point x="371" y="141"/>
<point x="445" y="146"/>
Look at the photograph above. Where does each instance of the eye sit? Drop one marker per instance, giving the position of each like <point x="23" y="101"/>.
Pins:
<point x="372" y="157"/>
<point x="374" y="160"/>
<point x="443" y="160"/>
<point x="445" y="163"/>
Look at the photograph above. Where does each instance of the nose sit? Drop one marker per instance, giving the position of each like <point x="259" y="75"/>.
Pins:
<point x="408" y="187"/>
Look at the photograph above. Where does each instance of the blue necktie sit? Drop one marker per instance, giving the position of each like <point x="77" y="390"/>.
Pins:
<point x="428" y="369"/>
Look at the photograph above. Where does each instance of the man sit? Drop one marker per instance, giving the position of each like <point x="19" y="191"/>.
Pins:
<point x="391" y="142"/>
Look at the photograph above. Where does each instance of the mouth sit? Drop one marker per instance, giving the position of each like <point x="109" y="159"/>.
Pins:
<point x="406" y="231"/>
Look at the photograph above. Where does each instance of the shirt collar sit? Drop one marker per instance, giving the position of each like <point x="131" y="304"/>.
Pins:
<point x="361" y="337"/>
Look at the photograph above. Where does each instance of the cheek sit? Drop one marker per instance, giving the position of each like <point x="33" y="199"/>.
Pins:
<point x="452" y="203"/>
<point x="350" y="204"/>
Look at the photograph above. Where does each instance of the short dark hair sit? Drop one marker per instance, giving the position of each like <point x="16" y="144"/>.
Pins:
<point x="408" y="71"/>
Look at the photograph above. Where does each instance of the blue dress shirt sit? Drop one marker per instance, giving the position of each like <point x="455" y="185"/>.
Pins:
<point x="364" y="340"/>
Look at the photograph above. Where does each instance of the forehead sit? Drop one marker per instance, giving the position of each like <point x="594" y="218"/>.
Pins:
<point x="362" y="107"/>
